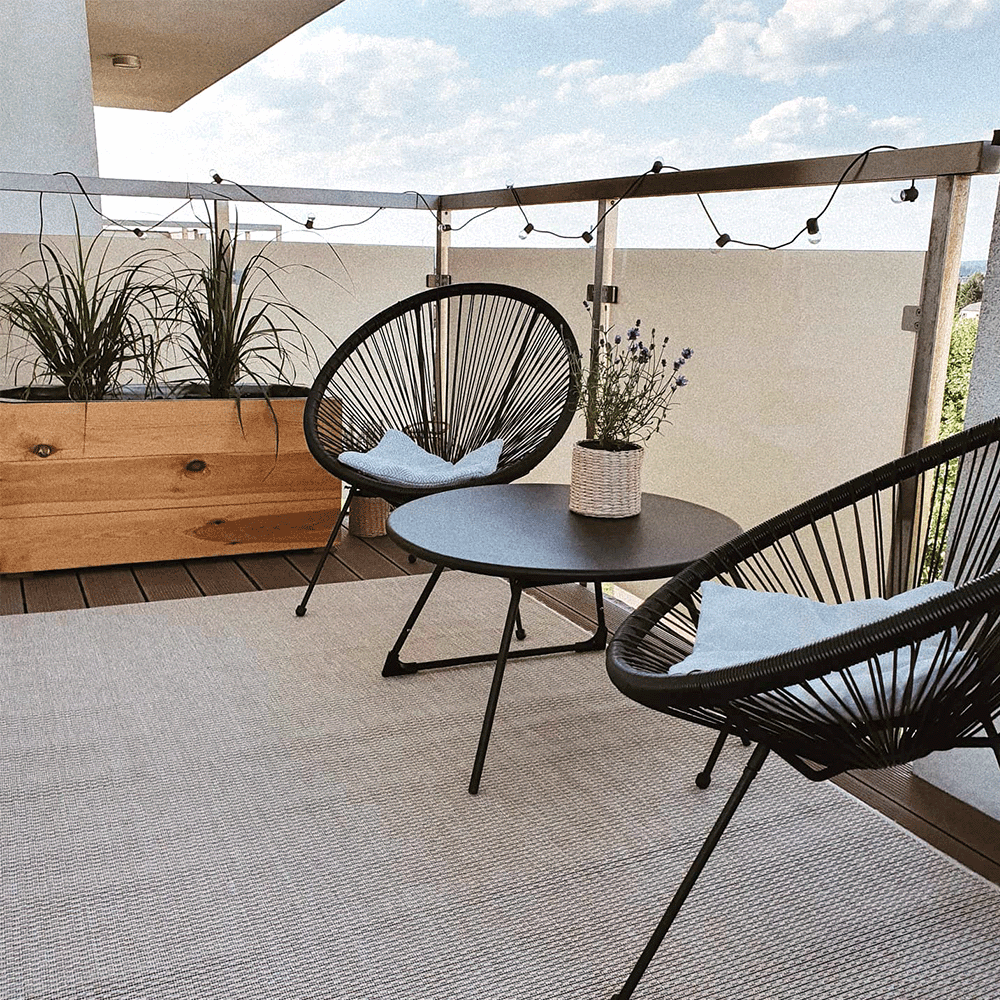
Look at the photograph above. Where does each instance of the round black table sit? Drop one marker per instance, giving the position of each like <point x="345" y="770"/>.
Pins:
<point x="526" y="534"/>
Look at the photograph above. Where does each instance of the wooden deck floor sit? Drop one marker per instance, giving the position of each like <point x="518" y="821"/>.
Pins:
<point x="948" y="824"/>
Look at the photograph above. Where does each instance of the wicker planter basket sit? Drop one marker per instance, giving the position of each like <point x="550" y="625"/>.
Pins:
<point x="605" y="483"/>
<point x="367" y="517"/>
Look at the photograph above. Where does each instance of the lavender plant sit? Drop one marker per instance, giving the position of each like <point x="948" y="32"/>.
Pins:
<point x="630" y="390"/>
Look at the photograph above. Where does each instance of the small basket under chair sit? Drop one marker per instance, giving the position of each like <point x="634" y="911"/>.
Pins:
<point x="368" y="516"/>
<point x="605" y="483"/>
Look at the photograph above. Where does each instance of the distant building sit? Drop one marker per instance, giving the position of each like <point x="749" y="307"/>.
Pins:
<point x="971" y="310"/>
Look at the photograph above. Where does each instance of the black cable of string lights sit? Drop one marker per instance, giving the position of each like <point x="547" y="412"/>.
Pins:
<point x="812" y="224"/>
<point x="310" y="222"/>
<point x="447" y="227"/>
<point x="588" y="234"/>
<point x="137" y="230"/>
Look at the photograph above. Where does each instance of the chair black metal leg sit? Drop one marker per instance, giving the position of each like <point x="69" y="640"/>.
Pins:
<point x="393" y="667"/>
<point x="491" y="704"/>
<point x="301" y="609"/>
<point x="518" y="627"/>
<point x="704" y="777"/>
<point x="749" y="773"/>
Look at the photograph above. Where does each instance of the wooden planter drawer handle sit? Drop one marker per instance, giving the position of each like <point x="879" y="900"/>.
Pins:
<point x="43" y="450"/>
<point x="195" y="465"/>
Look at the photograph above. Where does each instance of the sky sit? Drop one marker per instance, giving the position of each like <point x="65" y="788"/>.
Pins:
<point x="457" y="95"/>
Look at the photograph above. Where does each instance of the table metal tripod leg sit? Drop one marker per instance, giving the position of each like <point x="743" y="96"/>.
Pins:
<point x="392" y="666"/>
<point x="491" y="704"/>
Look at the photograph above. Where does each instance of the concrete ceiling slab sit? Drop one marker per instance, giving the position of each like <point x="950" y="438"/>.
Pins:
<point x="184" y="45"/>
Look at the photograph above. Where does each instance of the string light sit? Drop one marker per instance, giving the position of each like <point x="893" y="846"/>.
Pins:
<point x="907" y="194"/>
<point x="310" y="222"/>
<point x="811" y="228"/>
<point x="136" y="230"/>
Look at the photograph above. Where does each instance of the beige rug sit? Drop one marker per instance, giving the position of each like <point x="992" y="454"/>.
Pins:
<point x="214" y="799"/>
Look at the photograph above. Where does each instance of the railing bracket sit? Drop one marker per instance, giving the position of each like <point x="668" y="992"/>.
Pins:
<point x="609" y="294"/>
<point x="911" y="319"/>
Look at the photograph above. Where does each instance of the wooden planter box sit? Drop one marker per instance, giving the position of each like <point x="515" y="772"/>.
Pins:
<point x="151" y="480"/>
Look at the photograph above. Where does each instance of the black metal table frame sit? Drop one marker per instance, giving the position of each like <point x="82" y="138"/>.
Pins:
<point x="394" y="667"/>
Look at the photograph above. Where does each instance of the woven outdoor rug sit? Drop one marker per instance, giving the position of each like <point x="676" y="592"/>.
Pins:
<point x="212" y="798"/>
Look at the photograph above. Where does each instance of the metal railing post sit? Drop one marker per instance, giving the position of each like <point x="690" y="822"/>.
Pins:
<point x="600" y="313"/>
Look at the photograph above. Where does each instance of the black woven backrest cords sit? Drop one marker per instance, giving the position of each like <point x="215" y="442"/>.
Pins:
<point x="847" y="544"/>
<point x="453" y="368"/>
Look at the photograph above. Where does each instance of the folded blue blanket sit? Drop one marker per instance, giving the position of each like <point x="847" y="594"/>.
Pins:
<point x="398" y="459"/>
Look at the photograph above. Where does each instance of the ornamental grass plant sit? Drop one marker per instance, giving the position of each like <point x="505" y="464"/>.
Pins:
<point x="88" y="322"/>
<point x="628" y="392"/>
<point x="233" y="323"/>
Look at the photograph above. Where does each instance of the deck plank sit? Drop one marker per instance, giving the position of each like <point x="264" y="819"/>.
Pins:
<point x="56" y="590"/>
<point x="217" y="576"/>
<point x="167" y="581"/>
<point x="271" y="571"/>
<point x="11" y="598"/>
<point x="363" y="559"/>
<point x="334" y="571"/>
<point x="385" y="546"/>
<point x="108" y="585"/>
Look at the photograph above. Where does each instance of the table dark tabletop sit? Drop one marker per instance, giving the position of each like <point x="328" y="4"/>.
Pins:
<point x="525" y="531"/>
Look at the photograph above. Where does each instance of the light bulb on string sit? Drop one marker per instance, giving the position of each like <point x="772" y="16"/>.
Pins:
<point x="723" y="239"/>
<point x="812" y="228"/>
<point x="906" y="194"/>
<point x="524" y="233"/>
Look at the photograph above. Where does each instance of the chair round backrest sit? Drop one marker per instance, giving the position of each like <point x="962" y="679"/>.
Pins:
<point x="934" y="669"/>
<point x="452" y="368"/>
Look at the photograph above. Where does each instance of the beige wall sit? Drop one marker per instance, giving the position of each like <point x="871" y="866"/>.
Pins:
<point x="800" y="374"/>
<point x="799" y="378"/>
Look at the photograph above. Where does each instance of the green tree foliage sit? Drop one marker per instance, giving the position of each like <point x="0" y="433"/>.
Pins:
<point x="956" y="393"/>
<point x="970" y="290"/>
<point x="956" y="389"/>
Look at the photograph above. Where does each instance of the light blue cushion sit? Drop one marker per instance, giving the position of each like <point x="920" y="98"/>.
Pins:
<point x="398" y="459"/>
<point x="738" y="625"/>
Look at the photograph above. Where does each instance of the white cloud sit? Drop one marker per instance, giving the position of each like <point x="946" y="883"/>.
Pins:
<point x="569" y="75"/>
<point x="803" y="37"/>
<point x="904" y="130"/>
<point x="546" y="8"/>
<point x="794" y="120"/>
<point x="382" y="73"/>
<point x="729" y="10"/>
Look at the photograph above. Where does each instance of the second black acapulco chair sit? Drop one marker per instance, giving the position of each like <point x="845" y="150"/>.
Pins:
<point x="453" y="368"/>
<point x="878" y="683"/>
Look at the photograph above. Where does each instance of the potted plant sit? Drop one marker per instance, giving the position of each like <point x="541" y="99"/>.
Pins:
<point x="625" y="395"/>
<point x="95" y="480"/>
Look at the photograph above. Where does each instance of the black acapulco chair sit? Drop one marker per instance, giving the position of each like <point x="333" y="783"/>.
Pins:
<point x="452" y="368"/>
<point x="924" y="679"/>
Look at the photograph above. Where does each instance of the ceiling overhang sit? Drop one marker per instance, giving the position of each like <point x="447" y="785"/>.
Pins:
<point x="184" y="45"/>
